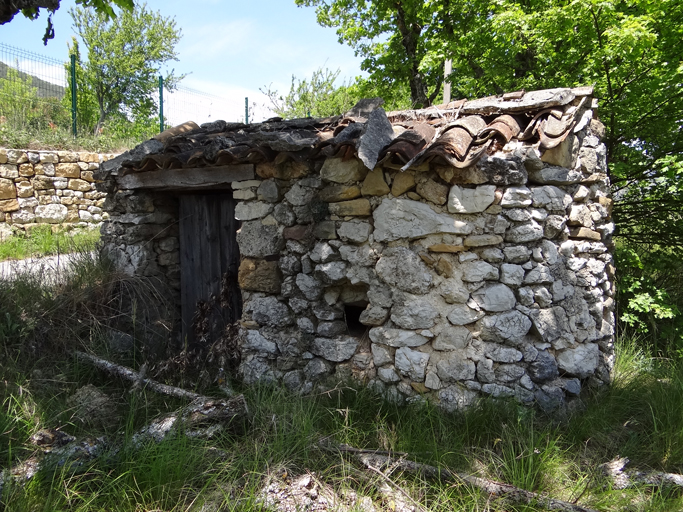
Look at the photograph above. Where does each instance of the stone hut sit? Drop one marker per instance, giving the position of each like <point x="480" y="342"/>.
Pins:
<point x="442" y="254"/>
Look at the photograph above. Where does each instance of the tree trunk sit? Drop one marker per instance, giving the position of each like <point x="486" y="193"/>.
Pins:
<point x="410" y="33"/>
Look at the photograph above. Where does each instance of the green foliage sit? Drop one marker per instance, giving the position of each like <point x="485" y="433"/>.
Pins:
<point x="125" y="56"/>
<point x="43" y="241"/>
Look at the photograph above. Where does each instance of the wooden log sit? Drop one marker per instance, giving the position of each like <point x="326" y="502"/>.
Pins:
<point x="185" y="179"/>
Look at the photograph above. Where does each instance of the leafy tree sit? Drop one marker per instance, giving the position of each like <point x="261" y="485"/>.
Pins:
<point x="125" y="56"/>
<point x="18" y="99"/>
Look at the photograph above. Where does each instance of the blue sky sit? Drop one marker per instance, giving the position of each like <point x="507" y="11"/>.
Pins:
<point x="229" y="48"/>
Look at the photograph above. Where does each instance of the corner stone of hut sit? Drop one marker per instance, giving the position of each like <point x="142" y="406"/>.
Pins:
<point x="441" y="254"/>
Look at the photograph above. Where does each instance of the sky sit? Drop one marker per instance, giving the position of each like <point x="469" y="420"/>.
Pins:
<point x="229" y="48"/>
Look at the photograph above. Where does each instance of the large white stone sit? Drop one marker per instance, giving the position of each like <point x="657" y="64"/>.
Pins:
<point x="551" y="323"/>
<point x="511" y="274"/>
<point x="452" y="338"/>
<point x="550" y="198"/>
<point x="478" y="270"/>
<point x="252" y="210"/>
<point x="402" y="268"/>
<point x="495" y="298"/>
<point x="415" y="313"/>
<point x="508" y="326"/>
<point x="462" y="314"/>
<point x="523" y="233"/>
<point x="336" y="349"/>
<point x="411" y="363"/>
<point x="397" y="337"/>
<point x="453" y="367"/>
<point x="397" y="219"/>
<point x="516" y="197"/>
<point x="581" y="361"/>
<point x="471" y="200"/>
<point x="51" y="213"/>
<point x="354" y="231"/>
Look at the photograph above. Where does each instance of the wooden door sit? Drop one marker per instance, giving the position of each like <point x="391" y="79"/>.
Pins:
<point x="209" y="259"/>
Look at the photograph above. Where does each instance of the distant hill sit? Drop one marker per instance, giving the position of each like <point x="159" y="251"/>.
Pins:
<point x="45" y="89"/>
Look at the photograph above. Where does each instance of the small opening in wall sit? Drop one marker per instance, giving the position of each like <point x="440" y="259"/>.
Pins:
<point x="352" y="316"/>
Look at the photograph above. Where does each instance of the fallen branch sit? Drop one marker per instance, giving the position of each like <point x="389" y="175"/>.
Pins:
<point x="376" y="461"/>
<point x="138" y="379"/>
<point x="621" y="478"/>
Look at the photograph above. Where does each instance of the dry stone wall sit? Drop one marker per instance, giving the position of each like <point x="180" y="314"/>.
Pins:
<point x="432" y="285"/>
<point x="48" y="187"/>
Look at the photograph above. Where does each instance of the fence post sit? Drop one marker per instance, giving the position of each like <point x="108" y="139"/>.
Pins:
<point x="246" y="110"/>
<point x="161" y="104"/>
<point x="74" y="109"/>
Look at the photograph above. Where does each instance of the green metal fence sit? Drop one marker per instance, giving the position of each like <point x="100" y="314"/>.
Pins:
<point x="36" y="97"/>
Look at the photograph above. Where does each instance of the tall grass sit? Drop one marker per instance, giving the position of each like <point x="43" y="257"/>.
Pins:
<point x="44" y="241"/>
<point x="639" y="416"/>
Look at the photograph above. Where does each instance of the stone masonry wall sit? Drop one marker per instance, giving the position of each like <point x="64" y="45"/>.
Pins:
<point x="48" y="187"/>
<point x="496" y="280"/>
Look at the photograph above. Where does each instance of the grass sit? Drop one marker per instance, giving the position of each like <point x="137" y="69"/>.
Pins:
<point x="61" y="139"/>
<point x="638" y="417"/>
<point x="44" y="241"/>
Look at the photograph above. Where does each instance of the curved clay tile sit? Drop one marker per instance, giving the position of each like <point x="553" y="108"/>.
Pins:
<point x="506" y="126"/>
<point x="473" y="124"/>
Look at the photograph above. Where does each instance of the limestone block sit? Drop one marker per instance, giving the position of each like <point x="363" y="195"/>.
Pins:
<point x="67" y="156"/>
<point x="452" y="367"/>
<point x="551" y="198"/>
<point x="403" y="182"/>
<point x="258" y="241"/>
<point x="415" y="313"/>
<point x="51" y="213"/>
<point x="299" y="195"/>
<point x="581" y="361"/>
<point x="340" y="171"/>
<point x="585" y="233"/>
<point x="516" y="197"/>
<point x="48" y="158"/>
<point x="374" y="315"/>
<point x="336" y="193"/>
<point x="433" y="191"/>
<point x="388" y="375"/>
<point x="251" y="210"/>
<point x="544" y="368"/>
<point x="241" y="185"/>
<point x="511" y="274"/>
<point x="270" y="311"/>
<point x="336" y="349"/>
<point x="446" y="248"/>
<point x="396" y="337"/>
<point x="482" y="240"/>
<point x="478" y="270"/>
<point x="8" y="171"/>
<point x="354" y="231"/>
<point x="471" y="200"/>
<point x="26" y="170"/>
<point x="556" y="176"/>
<point x="562" y="155"/>
<point x="452" y="338"/>
<point x="495" y="298"/>
<point x="23" y="216"/>
<point x="16" y="157"/>
<point x="259" y="276"/>
<point x="411" y="363"/>
<point x="80" y="185"/>
<point x="461" y="314"/>
<point x="508" y="326"/>
<point x="67" y="170"/>
<point x="9" y="205"/>
<point x="403" y="269"/>
<point x="355" y="207"/>
<point x="87" y="176"/>
<point x="7" y="189"/>
<point x="375" y="184"/>
<point x="523" y="233"/>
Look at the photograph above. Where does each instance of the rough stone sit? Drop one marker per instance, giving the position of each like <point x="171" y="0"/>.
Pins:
<point x="258" y="241"/>
<point x="432" y="191"/>
<point x="403" y="182"/>
<point x="256" y="342"/>
<point x="544" y="368"/>
<point x="478" y="270"/>
<point x="374" y="184"/>
<point x="396" y="337"/>
<point x="311" y="287"/>
<point x="453" y="291"/>
<point x="336" y="193"/>
<point x="355" y="207"/>
<point x="482" y="240"/>
<point x="524" y="233"/>
<point x="446" y="248"/>
<point x="539" y="274"/>
<point x="270" y="311"/>
<point x="7" y="189"/>
<point x="284" y="214"/>
<point x="333" y="272"/>
<point x="456" y="398"/>
<point x="340" y="171"/>
<point x="517" y="254"/>
<point x="502" y="354"/>
<point x="556" y="176"/>
<point x="554" y="226"/>
<point x="461" y="314"/>
<point x="508" y="326"/>
<point x="269" y="191"/>
<point x="516" y="197"/>
<point x="325" y="230"/>
<point x="8" y="205"/>
<point x="453" y="367"/>
<point x="354" y="231"/>
<point x="51" y="213"/>
<point x="452" y="338"/>
<point x="374" y="315"/>
<point x="252" y="210"/>
<point x="402" y="268"/>
<point x="551" y="323"/>
<point x="331" y="329"/>
<point x="363" y="255"/>
<point x="259" y="276"/>
<point x="336" y="349"/>
<point x="581" y="361"/>
<point x="511" y="274"/>
<point x="586" y="233"/>
<point x="550" y="198"/>
<point x="414" y="314"/>
<point x="381" y="355"/>
<point x="411" y="363"/>
<point x="470" y="200"/>
<point x="495" y="297"/>
<point x="316" y="368"/>
<point x="388" y="375"/>
<point x="68" y="170"/>
<point x="397" y="219"/>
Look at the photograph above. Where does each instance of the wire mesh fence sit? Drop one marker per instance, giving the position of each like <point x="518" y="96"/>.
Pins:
<point x="32" y="91"/>
<point x="36" y="97"/>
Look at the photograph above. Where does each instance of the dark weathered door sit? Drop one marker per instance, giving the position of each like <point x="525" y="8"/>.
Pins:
<point x="209" y="259"/>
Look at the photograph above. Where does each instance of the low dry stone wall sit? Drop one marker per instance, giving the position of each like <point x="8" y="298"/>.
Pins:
<point x="501" y="286"/>
<point x="48" y="187"/>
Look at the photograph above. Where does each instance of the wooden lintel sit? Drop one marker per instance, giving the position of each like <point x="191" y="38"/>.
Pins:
<point x="200" y="177"/>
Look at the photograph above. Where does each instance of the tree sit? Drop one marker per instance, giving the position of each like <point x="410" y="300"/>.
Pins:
<point x="125" y="57"/>
<point x="31" y="9"/>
